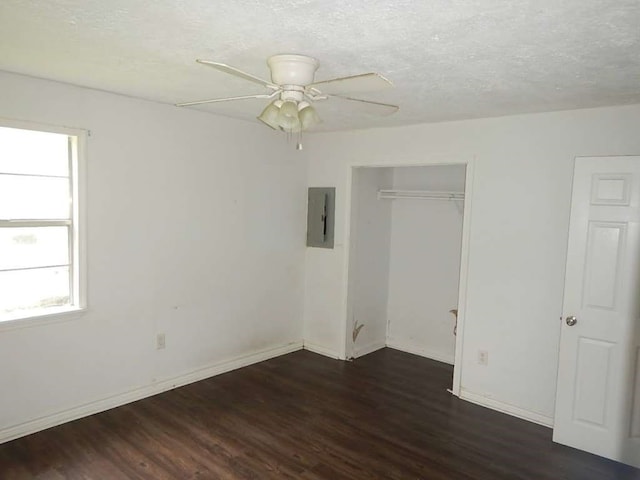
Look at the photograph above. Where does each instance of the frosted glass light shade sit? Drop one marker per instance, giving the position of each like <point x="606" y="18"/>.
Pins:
<point x="288" y="116"/>
<point x="269" y="115"/>
<point x="308" y="117"/>
<point x="294" y="126"/>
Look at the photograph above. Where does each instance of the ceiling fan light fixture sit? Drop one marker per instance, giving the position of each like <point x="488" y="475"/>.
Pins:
<point x="288" y="116"/>
<point x="269" y="115"/>
<point x="291" y="69"/>
<point x="293" y="125"/>
<point x="293" y="84"/>
<point x="297" y="128"/>
<point x="309" y="118"/>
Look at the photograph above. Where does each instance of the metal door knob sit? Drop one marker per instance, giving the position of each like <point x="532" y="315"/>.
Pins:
<point x="571" y="321"/>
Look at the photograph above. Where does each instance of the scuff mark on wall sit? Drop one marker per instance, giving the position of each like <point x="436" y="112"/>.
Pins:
<point x="455" y="314"/>
<point x="356" y="330"/>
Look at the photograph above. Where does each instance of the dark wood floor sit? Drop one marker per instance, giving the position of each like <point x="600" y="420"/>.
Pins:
<point x="303" y="416"/>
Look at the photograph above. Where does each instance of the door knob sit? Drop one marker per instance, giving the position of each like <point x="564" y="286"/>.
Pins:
<point x="571" y="321"/>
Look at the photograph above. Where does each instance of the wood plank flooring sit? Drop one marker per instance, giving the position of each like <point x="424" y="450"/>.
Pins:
<point x="303" y="416"/>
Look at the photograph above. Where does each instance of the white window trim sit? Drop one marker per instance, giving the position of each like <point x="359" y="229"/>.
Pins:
<point x="79" y="240"/>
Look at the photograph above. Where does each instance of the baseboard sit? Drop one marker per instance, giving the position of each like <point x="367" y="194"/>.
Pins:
<point x="366" y="349"/>
<point x="319" y="349"/>
<point x="423" y="352"/>
<point x="33" y="426"/>
<point x="506" y="408"/>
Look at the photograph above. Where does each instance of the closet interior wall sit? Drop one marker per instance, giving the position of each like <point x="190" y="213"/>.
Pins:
<point x="424" y="263"/>
<point x="369" y="261"/>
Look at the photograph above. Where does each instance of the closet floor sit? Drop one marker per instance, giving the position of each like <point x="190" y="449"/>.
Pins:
<point x="303" y="416"/>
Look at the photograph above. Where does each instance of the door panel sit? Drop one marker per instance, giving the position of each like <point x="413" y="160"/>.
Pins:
<point x="611" y="189"/>
<point x="598" y="396"/>
<point x="604" y="253"/>
<point x="594" y="362"/>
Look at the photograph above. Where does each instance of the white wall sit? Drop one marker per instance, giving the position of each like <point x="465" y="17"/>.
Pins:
<point x="369" y="278"/>
<point x="518" y="232"/>
<point x="424" y="264"/>
<point x="196" y="228"/>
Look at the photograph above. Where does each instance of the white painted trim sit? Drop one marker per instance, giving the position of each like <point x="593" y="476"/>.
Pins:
<point x="320" y="350"/>
<point x="462" y="283"/>
<point x="80" y="218"/>
<point x="347" y="346"/>
<point x="123" y="398"/>
<point x="43" y="127"/>
<point x="60" y="315"/>
<point x="367" y="349"/>
<point x="423" y="352"/>
<point x="506" y="408"/>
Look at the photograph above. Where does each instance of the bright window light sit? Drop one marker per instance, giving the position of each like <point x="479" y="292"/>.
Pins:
<point x="40" y="246"/>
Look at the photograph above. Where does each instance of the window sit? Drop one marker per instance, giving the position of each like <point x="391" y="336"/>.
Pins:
<point x="40" y="241"/>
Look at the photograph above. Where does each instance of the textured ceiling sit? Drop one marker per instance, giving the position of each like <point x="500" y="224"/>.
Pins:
<point x="449" y="59"/>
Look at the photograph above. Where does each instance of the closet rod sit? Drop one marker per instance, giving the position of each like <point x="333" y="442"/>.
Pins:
<point x="419" y="194"/>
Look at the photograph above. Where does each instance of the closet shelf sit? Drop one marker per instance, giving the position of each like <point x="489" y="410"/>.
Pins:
<point x="419" y="194"/>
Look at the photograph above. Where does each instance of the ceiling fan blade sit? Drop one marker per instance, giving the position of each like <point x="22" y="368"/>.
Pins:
<point x="366" y="82"/>
<point x="238" y="73"/>
<point x="226" y="99"/>
<point x="367" y="106"/>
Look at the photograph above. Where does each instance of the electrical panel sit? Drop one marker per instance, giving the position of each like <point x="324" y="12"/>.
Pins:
<point x="320" y="217"/>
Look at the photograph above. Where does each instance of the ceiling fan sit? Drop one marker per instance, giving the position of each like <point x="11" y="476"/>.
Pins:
<point x="293" y="92"/>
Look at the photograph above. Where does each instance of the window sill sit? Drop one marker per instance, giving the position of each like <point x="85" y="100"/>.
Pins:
<point x="42" y="317"/>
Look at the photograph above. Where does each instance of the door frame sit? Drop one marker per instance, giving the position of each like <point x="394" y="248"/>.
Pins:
<point x="468" y="162"/>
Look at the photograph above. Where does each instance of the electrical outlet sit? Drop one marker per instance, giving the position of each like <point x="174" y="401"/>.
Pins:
<point x="160" y="341"/>
<point x="483" y="357"/>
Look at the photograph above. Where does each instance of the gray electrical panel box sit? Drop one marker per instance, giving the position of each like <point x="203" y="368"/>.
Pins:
<point x="320" y="217"/>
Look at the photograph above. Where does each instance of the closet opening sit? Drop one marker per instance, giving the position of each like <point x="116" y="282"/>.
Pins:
<point x="407" y="259"/>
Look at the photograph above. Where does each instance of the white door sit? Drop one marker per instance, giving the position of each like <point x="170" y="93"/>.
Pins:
<point x="598" y="395"/>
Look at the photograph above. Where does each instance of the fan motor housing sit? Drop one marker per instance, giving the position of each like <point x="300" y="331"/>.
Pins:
<point x="289" y="69"/>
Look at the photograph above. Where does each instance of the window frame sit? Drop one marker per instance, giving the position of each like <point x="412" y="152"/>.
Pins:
<point x="76" y="224"/>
